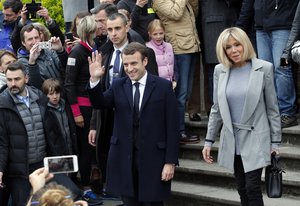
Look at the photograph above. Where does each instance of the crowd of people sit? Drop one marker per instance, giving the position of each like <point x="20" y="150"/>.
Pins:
<point x="113" y="87"/>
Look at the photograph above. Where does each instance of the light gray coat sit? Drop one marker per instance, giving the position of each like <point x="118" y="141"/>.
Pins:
<point x="260" y="121"/>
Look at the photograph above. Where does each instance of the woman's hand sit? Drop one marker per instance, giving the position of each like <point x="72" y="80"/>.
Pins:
<point x="206" y="154"/>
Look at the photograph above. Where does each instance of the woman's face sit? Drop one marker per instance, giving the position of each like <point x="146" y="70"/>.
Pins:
<point x="157" y="35"/>
<point x="235" y="51"/>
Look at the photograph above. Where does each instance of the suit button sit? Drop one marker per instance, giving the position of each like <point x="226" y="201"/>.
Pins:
<point x="252" y="127"/>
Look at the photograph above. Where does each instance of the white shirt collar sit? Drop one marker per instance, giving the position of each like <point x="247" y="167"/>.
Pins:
<point x="142" y="80"/>
<point x="122" y="47"/>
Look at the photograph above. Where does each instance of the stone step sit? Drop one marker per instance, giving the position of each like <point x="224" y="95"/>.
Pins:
<point x="202" y="173"/>
<point x="289" y="154"/>
<point x="190" y="194"/>
<point x="290" y="135"/>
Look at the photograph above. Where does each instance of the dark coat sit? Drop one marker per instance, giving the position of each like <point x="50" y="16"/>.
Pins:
<point x="158" y="136"/>
<point x="216" y="15"/>
<point x="13" y="136"/>
<point x="57" y="145"/>
<point x="102" y="120"/>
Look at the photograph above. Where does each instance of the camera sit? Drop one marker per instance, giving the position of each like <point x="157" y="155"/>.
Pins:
<point x="45" y="45"/>
<point x="32" y="8"/>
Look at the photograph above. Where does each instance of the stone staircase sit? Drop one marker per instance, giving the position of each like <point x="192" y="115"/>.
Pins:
<point x="197" y="183"/>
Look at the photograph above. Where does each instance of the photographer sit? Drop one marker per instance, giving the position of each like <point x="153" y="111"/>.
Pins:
<point x="41" y="63"/>
<point x="35" y="10"/>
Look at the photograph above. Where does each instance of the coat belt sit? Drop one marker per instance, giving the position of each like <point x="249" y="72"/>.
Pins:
<point x="243" y="126"/>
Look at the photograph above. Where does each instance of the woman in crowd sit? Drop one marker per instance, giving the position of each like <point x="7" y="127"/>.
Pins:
<point x="245" y="103"/>
<point x="50" y="194"/>
<point x="77" y="77"/>
<point x="70" y="44"/>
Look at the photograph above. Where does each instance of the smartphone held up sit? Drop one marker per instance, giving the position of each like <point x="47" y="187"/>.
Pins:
<point x="61" y="164"/>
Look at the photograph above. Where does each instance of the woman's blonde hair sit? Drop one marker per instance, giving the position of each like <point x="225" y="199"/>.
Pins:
<point x="87" y="28"/>
<point x="53" y="195"/>
<point x="240" y="36"/>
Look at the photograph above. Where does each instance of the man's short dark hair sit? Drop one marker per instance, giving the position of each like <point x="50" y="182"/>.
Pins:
<point x="16" y="66"/>
<point x="114" y="16"/>
<point x="108" y="8"/>
<point x="134" y="47"/>
<point x="15" y="5"/>
<point x="27" y="28"/>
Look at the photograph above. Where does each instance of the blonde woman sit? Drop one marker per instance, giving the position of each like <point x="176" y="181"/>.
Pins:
<point x="77" y="77"/>
<point x="245" y="103"/>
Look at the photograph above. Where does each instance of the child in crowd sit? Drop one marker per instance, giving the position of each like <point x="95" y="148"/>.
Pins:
<point x="60" y="120"/>
<point x="163" y="51"/>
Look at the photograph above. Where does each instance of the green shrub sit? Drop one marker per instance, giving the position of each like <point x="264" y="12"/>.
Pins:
<point x="54" y="8"/>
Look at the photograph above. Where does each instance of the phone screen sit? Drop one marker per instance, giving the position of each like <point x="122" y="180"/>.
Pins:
<point x="60" y="165"/>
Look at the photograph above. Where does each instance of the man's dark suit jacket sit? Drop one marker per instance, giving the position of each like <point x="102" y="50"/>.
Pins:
<point x="158" y="136"/>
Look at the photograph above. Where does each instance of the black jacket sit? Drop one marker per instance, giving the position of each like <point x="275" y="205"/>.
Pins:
<point x="270" y="15"/>
<point x="58" y="145"/>
<point x="140" y="18"/>
<point x="13" y="135"/>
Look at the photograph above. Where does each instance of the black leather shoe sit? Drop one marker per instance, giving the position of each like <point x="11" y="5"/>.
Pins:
<point x="187" y="139"/>
<point x="195" y="117"/>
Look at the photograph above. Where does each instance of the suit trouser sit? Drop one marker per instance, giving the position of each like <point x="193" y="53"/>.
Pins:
<point x="248" y="184"/>
<point x="133" y="201"/>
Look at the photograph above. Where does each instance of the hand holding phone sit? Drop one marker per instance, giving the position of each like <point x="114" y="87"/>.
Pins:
<point x="61" y="164"/>
<point x="69" y="35"/>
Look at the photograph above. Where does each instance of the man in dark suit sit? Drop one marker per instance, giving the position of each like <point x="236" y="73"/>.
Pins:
<point x="145" y="140"/>
<point x="102" y="120"/>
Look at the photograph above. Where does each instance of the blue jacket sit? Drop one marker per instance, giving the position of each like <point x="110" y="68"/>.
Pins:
<point x="6" y="30"/>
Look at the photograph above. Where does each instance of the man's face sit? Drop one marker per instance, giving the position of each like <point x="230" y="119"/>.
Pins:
<point x="9" y="15"/>
<point x="5" y="61"/>
<point x="101" y="19"/>
<point x="31" y="38"/>
<point x="134" y="66"/>
<point x="16" y="82"/>
<point x="117" y="31"/>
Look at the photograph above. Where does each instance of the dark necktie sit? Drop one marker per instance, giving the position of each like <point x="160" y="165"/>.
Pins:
<point x="116" y="67"/>
<point x="136" y="111"/>
<point x="136" y="101"/>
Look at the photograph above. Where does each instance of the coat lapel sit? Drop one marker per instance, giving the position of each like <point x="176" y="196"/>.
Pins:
<point x="150" y="83"/>
<point x="128" y="91"/>
<point x="254" y="90"/>
<point x="223" y="104"/>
